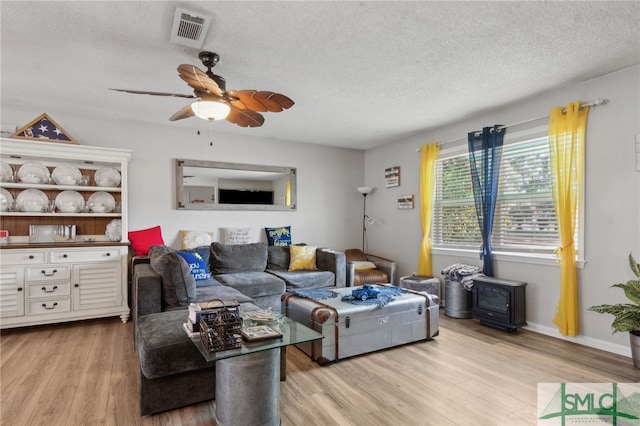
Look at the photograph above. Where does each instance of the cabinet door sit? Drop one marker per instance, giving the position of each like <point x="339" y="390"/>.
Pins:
<point x="11" y="291"/>
<point x="97" y="285"/>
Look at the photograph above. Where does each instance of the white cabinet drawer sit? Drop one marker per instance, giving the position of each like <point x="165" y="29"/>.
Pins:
<point x="23" y="257"/>
<point x="90" y="255"/>
<point x="52" y="306"/>
<point x="48" y="290"/>
<point x="48" y="273"/>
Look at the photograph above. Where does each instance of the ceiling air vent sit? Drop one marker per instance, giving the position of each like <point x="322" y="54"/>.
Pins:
<point x="189" y="29"/>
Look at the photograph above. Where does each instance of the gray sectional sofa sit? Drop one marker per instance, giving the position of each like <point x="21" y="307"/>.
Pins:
<point x="262" y="271"/>
<point x="173" y="373"/>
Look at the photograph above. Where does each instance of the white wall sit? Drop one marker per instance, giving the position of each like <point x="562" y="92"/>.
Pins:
<point x="328" y="212"/>
<point x="612" y="217"/>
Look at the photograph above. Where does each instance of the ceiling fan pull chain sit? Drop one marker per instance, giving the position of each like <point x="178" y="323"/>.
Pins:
<point x="211" y="132"/>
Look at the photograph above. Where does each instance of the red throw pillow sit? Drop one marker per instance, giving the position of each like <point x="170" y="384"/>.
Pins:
<point x="143" y="239"/>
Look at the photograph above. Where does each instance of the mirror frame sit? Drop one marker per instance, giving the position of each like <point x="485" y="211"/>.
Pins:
<point x="180" y="163"/>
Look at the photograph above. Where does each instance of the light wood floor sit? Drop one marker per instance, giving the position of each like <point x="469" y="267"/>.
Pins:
<point x="84" y="373"/>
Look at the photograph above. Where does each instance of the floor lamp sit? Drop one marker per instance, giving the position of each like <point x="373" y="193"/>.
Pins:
<point x="365" y="190"/>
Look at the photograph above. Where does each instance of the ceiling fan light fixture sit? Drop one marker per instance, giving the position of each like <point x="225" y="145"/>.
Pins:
<point x="210" y="110"/>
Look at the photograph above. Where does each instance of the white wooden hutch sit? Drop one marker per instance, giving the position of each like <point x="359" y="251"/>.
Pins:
<point x="52" y="282"/>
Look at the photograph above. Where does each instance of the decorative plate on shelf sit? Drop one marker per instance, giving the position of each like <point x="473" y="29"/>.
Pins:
<point x="66" y="174"/>
<point x="32" y="200"/>
<point x="34" y="172"/>
<point x="6" y="199"/>
<point x="107" y="176"/>
<point x="113" y="231"/>
<point x="69" y="201"/>
<point x="101" y="202"/>
<point x="6" y="172"/>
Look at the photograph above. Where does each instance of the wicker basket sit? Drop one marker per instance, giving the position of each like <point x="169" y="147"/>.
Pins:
<point x="221" y="330"/>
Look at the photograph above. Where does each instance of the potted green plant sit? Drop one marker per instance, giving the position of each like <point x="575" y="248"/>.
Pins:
<point x="627" y="315"/>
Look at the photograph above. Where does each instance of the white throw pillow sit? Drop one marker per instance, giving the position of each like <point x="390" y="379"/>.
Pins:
<point x="237" y="235"/>
<point x="363" y="264"/>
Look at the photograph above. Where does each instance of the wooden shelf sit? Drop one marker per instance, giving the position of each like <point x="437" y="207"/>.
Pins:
<point x="88" y="160"/>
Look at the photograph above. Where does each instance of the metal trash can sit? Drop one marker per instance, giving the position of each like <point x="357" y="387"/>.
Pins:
<point x="427" y="284"/>
<point x="457" y="300"/>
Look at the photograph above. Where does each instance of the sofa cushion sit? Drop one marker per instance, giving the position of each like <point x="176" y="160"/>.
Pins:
<point x="204" y="251"/>
<point x="222" y="292"/>
<point x="352" y="255"/>
<point x="237" y="235"/>
<point x="143" y="239"/>
<point x="159" y="249"/>
<point x="305" y="279"/>
<point x="198" y="267"/>
<point x="303" y="258"/>
<point x="232" y="258"/>
<point x="178" y="285"/>
<point x="280" y="236"/>
<point x="192" y="239"/>
<point x="253" y="284"/>
<point x="360" y="265"/>
<point x="371" y="276"/>
<point x="278" y="258"/>
<point x="163" y="345"/>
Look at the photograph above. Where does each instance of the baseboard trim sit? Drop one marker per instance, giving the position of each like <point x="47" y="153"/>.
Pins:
<point x="582" y="340"/>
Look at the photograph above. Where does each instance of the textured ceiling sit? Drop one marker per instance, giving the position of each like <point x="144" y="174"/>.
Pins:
<point x="361" y="73"/>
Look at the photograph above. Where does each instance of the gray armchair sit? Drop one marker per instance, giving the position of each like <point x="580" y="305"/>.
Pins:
<point x="378" y="270"/>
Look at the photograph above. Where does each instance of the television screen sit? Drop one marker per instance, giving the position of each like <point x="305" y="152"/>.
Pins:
<point x="235" y="196"/>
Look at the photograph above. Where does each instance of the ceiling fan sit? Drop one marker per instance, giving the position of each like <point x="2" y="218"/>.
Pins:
<point x="215" y="102"/>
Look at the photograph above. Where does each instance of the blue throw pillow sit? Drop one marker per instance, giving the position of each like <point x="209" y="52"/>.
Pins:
<point x="279" y="236"/>
<point x="197" y="264"/>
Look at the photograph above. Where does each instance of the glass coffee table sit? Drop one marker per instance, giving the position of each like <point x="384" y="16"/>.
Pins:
<point x="248" y="378"/>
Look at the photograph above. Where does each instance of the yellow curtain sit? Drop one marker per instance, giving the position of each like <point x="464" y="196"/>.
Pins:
<point x="566" y="146"/>
<point x="429" y="154"/>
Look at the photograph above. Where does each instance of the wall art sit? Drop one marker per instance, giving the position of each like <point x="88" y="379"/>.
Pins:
<point x="392" y="177"/>
<point x="405" y="202"/>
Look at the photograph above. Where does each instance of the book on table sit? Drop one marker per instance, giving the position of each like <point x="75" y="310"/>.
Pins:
<point x="197" y="309"/>
<point x="194" y="327"/>
<point x="259" y="332"/>
<point x="189" y="332"/>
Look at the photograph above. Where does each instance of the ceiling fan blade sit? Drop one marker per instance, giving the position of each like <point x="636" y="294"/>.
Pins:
<point x="245" y="118"/>
<point x="185" y="112"/>
<point x="261" y="101"/>
<point x="247" y="97"/>
<point x="197" y="79"/>
<point x="275" y="102"/>
<point x="142" y="92"/>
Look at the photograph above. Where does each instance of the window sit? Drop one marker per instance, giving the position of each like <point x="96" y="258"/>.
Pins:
<point x="524" y="221"/>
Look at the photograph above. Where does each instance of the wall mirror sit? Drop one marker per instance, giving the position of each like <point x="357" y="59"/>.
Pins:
<point x="214" y="185"/>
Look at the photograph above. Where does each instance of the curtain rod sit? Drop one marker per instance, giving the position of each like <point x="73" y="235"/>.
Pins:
<point x="593" y="103"/>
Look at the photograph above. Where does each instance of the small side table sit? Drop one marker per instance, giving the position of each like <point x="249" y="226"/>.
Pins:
<point x="248" y="378"/>
<point x="430" y="285"/>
